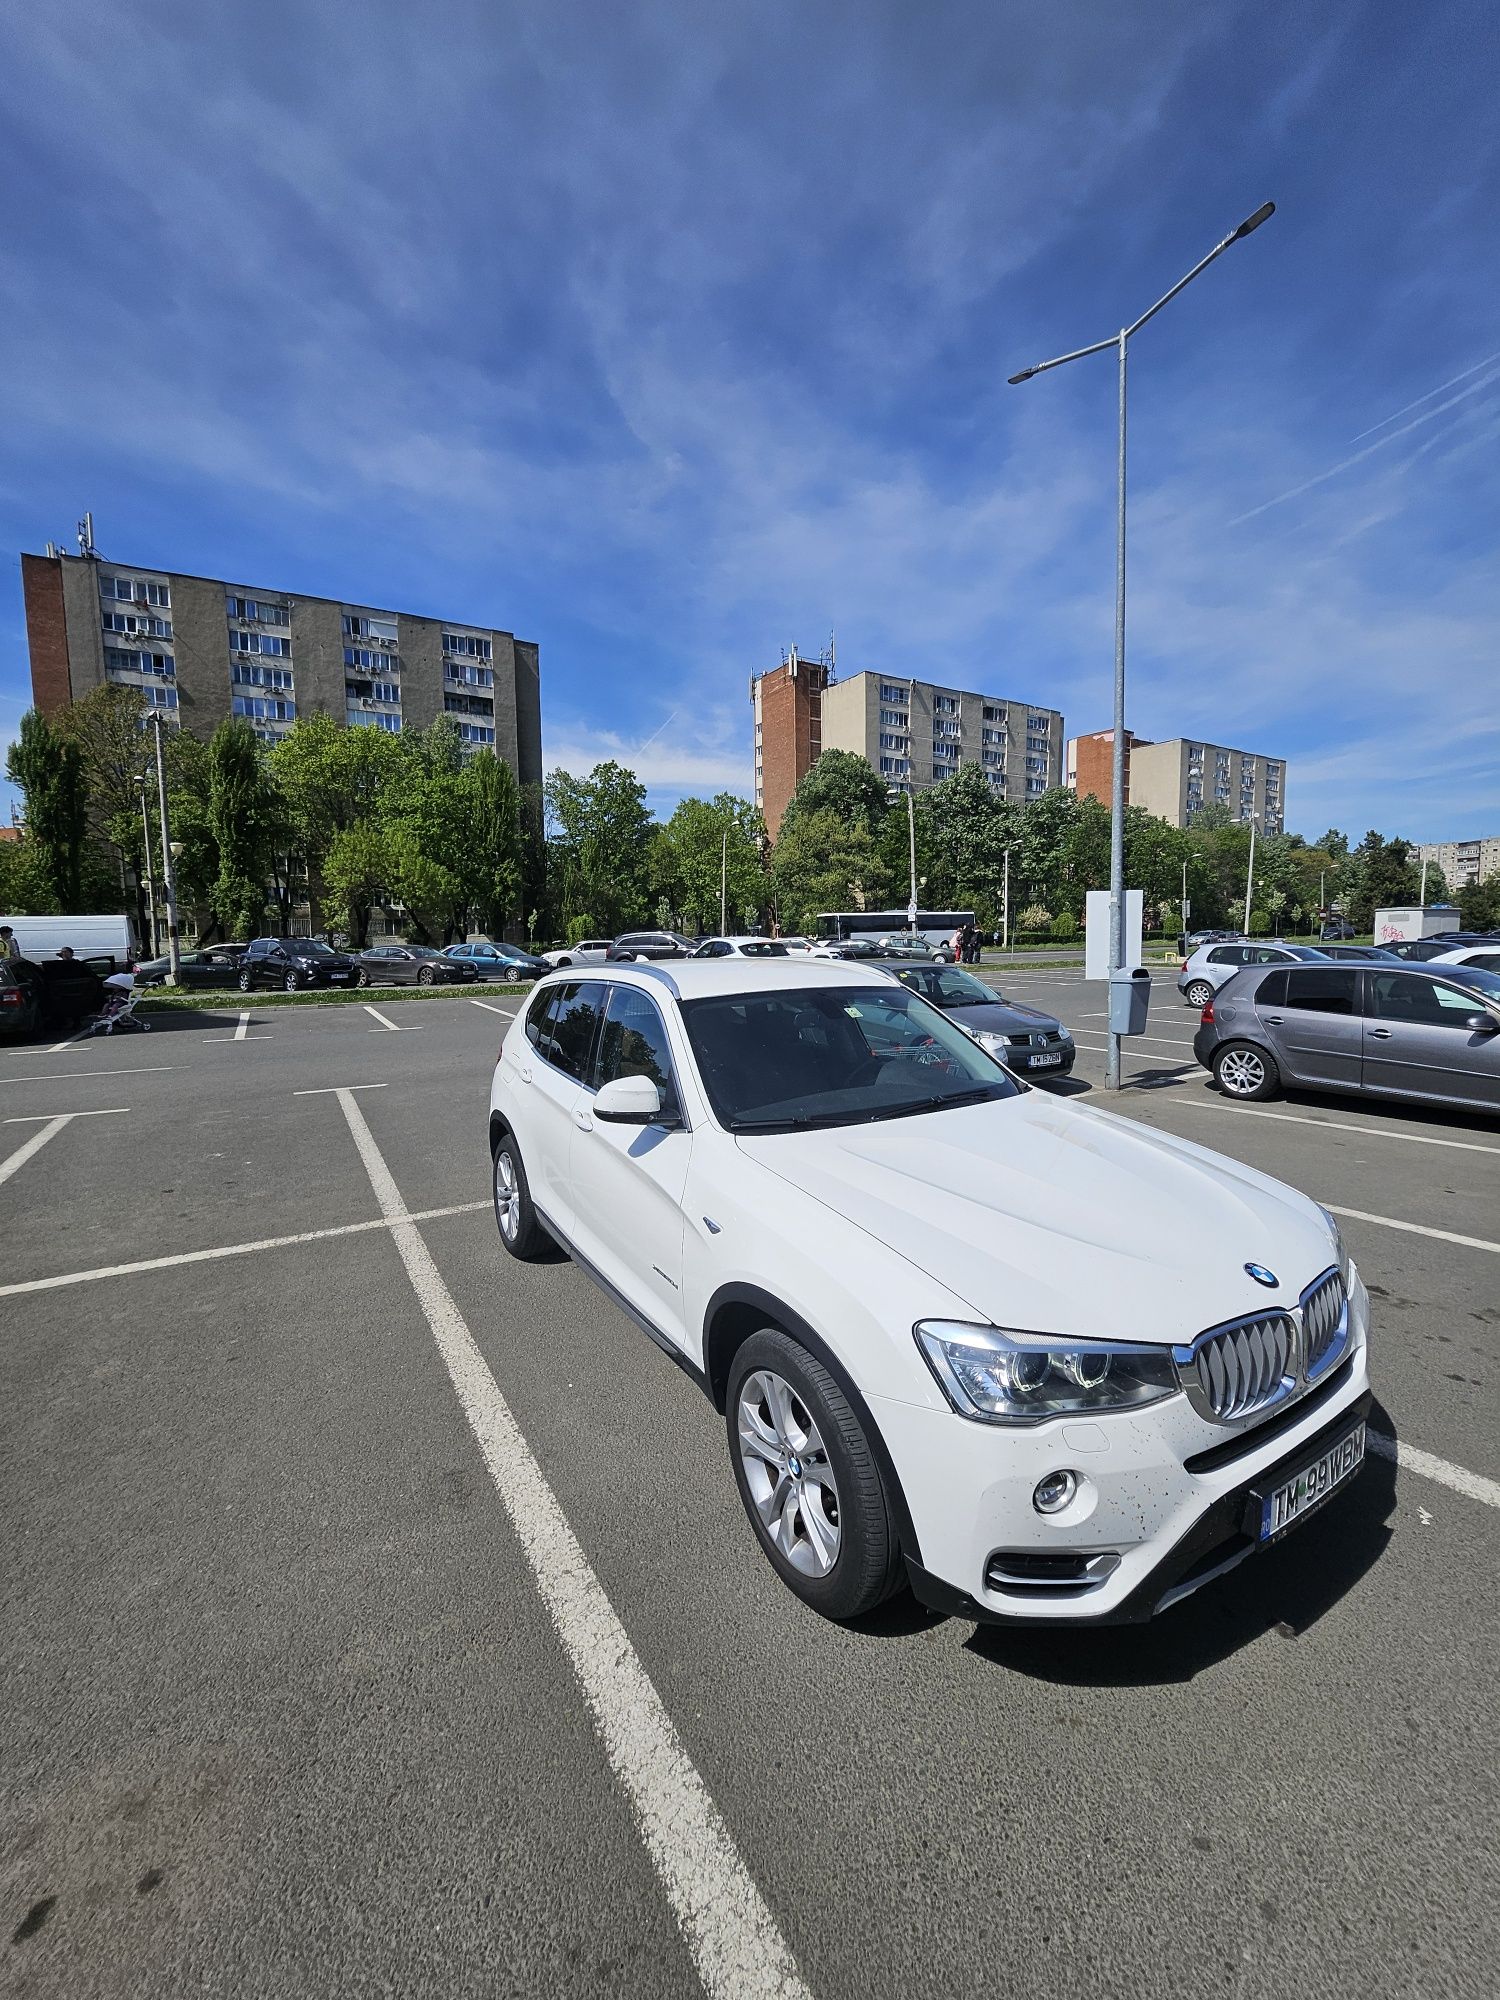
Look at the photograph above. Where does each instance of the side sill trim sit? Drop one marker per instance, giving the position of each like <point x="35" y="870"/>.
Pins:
<point x="653" y="1332"/>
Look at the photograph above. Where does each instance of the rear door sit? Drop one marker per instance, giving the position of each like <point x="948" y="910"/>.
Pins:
<point x="1417" y="1042"/>
<point x="1223" y="962"/>
<point x="557" y="1073"/>
<point x="1317" y="1033"/>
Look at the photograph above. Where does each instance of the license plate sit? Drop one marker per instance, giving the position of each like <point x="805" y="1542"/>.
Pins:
<point x="1045" y="1062"/>
<point x="1287" y="1503"/>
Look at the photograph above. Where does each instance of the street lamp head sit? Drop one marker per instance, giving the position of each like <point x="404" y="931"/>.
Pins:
<point x="1024" y="376"/>
<point x="1252" y="222"/>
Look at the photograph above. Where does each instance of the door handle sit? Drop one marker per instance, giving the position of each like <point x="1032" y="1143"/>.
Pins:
<point x="1379" y="1034"/>
<point x="583" y="1121"/>
<point x="1274" y="1019"/>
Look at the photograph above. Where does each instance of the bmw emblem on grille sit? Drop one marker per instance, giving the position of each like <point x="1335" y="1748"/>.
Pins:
<point x="1263" y="1277"/>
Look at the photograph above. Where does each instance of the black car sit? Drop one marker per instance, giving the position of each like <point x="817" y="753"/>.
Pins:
<point x="1023" y="1038"/>
<point x="1374" y="953"/>
<point x="49" y="993"/>
<point x="217" y="965"/>
<point x="293" y="963"/>
<point x="1417" y="951"/>
<point x="1336" y="927"/>
<point x="498" y="961"/>
<point x="415" y="965"/>
<point x="652" y="944"/>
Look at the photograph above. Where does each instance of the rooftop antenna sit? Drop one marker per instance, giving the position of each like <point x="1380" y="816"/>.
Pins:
<point x="86" y="539"/>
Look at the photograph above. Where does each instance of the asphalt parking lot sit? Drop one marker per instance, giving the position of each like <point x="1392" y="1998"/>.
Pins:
<point x="379" y="1615"/>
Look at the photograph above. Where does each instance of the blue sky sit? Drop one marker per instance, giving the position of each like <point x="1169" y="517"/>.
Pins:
<point x="668" y="335"/>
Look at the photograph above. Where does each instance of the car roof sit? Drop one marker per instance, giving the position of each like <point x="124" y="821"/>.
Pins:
<point x="698" y="978"/>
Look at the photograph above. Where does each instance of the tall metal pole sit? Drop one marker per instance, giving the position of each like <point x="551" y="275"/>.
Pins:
<point x="1250" y="876"/>
<point x="1117" y="776"/>
<point x="911" y="832"/>
<point x="169" y="873"/>
<point x="150" y="884"/>
<point x="1184" y="906"/>
<point x="724" y="884"/>
<point x="1424" y="881"/>
<point x="1005" y="906"/>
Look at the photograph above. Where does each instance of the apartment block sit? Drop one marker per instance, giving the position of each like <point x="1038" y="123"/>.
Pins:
<point x="916" y="733"/>
<point x="1175" y="780"/>
<point x="202" y="648"/>
<point x="1463" y="862"/>
<point x="788" y="704"/>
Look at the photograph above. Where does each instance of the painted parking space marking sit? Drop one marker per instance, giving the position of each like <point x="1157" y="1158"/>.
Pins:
<point x="1415" y="1228"/>
<point x="55" y="1121"/>
<point x="57" y="1048"/>
<point x="241" y="1032"/>
<point x="734" y="1940"/>
<point x="223" y="1250"/>
<point x="506" y="1013"/>
<point x="67" y="1075"/>
<point x="1473" y="1485"/>
<point x="1342" y="1125"/>
<point x="395" y="1027"/>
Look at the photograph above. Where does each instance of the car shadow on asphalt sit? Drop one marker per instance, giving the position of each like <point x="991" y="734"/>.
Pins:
<point x="1286" y="1590"/>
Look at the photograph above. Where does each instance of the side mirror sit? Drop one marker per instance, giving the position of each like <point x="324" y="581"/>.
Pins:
<point x="1482" y="1024"/>
<point x="630" y="1100"/>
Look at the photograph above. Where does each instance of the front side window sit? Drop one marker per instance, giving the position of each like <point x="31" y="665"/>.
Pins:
<point x="1423" y="1002"/>
<point x="1317" y="989"/>
<point x="634" y="1043"/>
<point x="793" y="1060"/>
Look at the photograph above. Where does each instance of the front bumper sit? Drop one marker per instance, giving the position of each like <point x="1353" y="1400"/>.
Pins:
<point x="1162" y="1496"/>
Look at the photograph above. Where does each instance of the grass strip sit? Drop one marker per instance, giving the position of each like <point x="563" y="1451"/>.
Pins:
<point x="156" y="999"/>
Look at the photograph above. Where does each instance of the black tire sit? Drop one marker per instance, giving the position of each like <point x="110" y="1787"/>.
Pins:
<point x="246" y="983"/>
<point x="357" y="976"/>
<point x="1198" y="994"/>
<point x="561" y="963"/>
<point x="524" y="1236"/>
<point x="426" y="977"/>
<point x="290" y="983"/>
<point x="867" y="1566"/>
<point x="1246" y="1072"/>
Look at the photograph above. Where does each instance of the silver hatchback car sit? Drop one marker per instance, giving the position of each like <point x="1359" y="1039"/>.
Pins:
<point x="1428" y="1034"/>
<point x="1213" y="965"/>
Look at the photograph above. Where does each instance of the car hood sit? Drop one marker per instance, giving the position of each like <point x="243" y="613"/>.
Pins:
<point x="1003" y="1017"/>
<point x="1051" y="1217"/>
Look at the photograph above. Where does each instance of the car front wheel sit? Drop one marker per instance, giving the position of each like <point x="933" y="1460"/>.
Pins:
<point x="808" y="1480"/>
<point x="1198" y="994"/>
<point x="426" y="976"/>
<point x="290" y="983"/>
<point x="1242" y="1070"/>
<point x="357" y="976"/>
<point x="245" y="982"/>
<point x="520" y="1231"/>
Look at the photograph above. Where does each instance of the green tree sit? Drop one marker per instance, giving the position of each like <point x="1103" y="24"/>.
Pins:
<point x="48" y="767"/>
<point x="496" y="860"/>
<point x="963" y="833"/>
<point x="820" y="863"/>
<point x="704" y="837"/>
<point x="356" y="871"/>
<point x="1380" y="874"/>
<point x="25" y="889"/>
<point x="332" y="779"/>
<point x="242" y="814"/>
<point x="1479" y="904"/>
<point x="601" y="834"/>
<point x="844" y="784"/>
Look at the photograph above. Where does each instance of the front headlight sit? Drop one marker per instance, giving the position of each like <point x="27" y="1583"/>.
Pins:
<point x="995" y="1377"/>
<point x="998" y="1045"/>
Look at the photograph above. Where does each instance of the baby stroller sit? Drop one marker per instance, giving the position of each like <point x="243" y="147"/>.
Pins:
<point x="118" y="1010"/>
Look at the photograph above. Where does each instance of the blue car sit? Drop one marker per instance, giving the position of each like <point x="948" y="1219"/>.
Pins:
<point x="498" y="961"/>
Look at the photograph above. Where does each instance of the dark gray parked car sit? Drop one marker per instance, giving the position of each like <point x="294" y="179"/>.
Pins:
<point x="413" y="965"/>
<point x="1023" y="1038"/>
<point x="1390" y="1031"/>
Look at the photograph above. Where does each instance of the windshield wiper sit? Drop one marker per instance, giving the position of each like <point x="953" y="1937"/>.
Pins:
<point x="946" y="1101"/>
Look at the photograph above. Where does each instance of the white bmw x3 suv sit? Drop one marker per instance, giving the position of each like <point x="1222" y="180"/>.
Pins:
<point x="1039" y="1361"/>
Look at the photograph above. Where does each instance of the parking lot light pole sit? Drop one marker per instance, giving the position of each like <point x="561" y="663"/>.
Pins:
<point x="1119" y="342"/>
<point x="168" y="871"/>
<point x="911" y="834"/>
<point x="149" y="882"/>
<point x="1250" y="876"/>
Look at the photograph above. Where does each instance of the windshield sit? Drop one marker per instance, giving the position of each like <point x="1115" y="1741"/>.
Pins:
<point x="1487" y="983"/>
<point x="792" y="1059"/>
<point x="947" y="986"/>
<point x="309" y="948"/>
<point x="422" y="951"/>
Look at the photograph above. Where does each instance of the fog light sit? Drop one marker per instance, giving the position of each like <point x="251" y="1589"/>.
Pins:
<point x="1054" y="1492"/>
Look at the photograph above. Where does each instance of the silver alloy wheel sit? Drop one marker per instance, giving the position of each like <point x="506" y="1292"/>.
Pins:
<point x="1199" y="993"/>
<point x="507" y="1196"/>
<point x="1241" y="1072"/>
<point x="787" y="1473"/>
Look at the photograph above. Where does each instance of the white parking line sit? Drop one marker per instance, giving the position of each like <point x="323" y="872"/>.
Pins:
<point x="1161" y="1041"/>
<point x="1473" y="1485"/>
<point x="64" y="1075"/>
<point x="58" y="1047"/>
<point x="736" y="1946"/>
<point x="244" y="1024"/>
<point x="227" y="1250"/>
<point x="14" y="1162"/>
<point x="1415" y="1228"/>
<point x="396" y="1028"/>
<point x="1338" y="1125"/>
<point x="508" y="1013"/>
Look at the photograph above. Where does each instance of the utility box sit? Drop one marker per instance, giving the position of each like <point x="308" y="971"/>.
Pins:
<point x="1129" y="998"/>
<point x="1396" y="926"/>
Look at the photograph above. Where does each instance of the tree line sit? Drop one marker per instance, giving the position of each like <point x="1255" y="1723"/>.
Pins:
<point x="333" y="824"/>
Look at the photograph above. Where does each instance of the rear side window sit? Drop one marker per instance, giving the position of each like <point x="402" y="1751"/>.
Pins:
<point x="538" y="1012"/>
<point x="635" y="1043"/>
<point x="1227" y="954"/>
<point x="1271" y="991"/>
<point x="1323" y="989"/>
<point x="1487" y="961"/>
<point x="573" y="1029"/>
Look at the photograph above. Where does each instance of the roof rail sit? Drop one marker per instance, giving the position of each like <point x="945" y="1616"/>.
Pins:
<point x="656" y="971"/>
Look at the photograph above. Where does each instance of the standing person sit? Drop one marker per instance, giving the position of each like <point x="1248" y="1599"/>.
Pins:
<point x="8" y="946"/>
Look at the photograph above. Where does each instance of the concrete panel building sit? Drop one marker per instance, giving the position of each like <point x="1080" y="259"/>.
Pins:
<point x="203" y="648"/>
<point x="916" y="733"/>
<point x="1175" y="780"/>
<point x="1463" y="862"/>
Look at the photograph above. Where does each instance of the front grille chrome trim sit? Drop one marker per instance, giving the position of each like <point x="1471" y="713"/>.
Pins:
<point x="1238" y="1373"/>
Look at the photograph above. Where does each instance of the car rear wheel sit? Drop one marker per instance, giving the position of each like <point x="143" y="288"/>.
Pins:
<point x="1198" y="994"/>
<point x="808" y="1480"/>
<point x="520" y="1231"/>
<point x="426" y="977"/>
<point x="1242" y="1070"/>
<point x="357" y="976"/>
<point x="245" y="982"/>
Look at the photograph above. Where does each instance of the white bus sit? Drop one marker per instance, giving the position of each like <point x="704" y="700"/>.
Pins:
<point x="936" y="926"/>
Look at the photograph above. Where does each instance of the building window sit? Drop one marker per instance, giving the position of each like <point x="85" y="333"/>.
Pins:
<point x="1037" y="764"/>
<point x="365" y="659"/>
<point x="264" y="708"/>
<point x="475" y="732"/>
<point x="893" y="743"/>
<point x="892" y="718"/>
<point x="137" y="622"/>
<point x="257" y="609"/>
<point x="895" y="767"/>
<point x="1039" y="725"/>
<point x="890" y="692"/>
<point x="373" y="718"/>
<point x="945" y="729"/>
<point x="118" y="662"/>
<point x="944" y="704"/>
<point x="243" y="674"/>
<point x="377" y="631"/>
<point x="993" y="714"/>
<point x="269" y="643"/>
<point x="995" y="759"/>
<point x="136" y="590"/>
<point x="992" y="736"/>
<point x="467" y="646"/>
<point x="1037" y="743"/>
<point x="160" y="697"/>
<point x="474" y="677"/>
<point x="1034" y="785"/>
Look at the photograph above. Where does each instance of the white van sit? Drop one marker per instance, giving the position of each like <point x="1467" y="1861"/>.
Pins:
<point x="108" y="937"/>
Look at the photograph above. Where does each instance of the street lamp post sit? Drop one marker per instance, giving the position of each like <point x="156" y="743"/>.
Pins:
<point x="149" y="882"/>
<point x="911" y="834"/>
<point x="724" y="883"/>
<point x="1005" y="906"/>
<point x="1250" y="876"/>
<point x="168" y="871"/>
<point x="1120" y="342"/>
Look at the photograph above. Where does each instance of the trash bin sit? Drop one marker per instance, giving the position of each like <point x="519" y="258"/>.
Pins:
<point x="1129" y="997"/>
